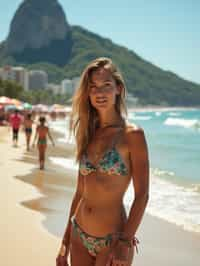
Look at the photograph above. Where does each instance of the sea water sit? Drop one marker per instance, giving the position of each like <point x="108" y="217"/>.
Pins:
<point x="173" y="139"/>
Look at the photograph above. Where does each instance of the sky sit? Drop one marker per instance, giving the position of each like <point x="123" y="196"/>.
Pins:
<point x="165" y="33"/>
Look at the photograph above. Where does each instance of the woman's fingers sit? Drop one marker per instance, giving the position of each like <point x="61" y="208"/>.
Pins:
<point x="109" y="261"/>
<point x="119" y="263"/>
<point x="61" y="261"/>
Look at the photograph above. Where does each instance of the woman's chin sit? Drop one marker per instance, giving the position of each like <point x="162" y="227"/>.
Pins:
<point x="102" y="107"/>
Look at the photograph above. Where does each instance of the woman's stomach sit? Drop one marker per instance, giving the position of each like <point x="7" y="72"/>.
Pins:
<point x="99" y="219"/>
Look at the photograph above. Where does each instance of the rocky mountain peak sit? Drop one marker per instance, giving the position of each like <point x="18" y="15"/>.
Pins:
<point x="35" y="25"/>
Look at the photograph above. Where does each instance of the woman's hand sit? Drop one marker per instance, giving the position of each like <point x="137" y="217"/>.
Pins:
<point x="119" y="255"/>
<point x="61" y="259"/>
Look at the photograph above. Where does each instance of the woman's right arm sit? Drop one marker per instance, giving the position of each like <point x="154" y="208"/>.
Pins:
<point x="76" y="199"/>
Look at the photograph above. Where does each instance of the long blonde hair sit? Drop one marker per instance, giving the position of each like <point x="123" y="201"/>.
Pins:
<point x="84" y="117"/>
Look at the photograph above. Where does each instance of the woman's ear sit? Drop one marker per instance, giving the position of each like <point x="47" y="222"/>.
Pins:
<point x="119" y="89"/>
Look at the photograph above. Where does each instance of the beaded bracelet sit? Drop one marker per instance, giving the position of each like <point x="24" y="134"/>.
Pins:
<point x="130" y="243"/>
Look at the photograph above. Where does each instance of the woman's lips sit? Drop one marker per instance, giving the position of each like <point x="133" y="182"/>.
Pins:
<point x="100" y="101"/>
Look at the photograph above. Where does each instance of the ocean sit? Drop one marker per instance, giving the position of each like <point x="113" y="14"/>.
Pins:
<point x="173" y="139"/>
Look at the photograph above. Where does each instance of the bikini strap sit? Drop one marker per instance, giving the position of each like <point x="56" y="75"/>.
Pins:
<point x="115" y="138"/>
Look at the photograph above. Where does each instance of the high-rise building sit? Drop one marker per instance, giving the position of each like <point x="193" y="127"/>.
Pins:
<point x="7" y="73"/>
<point x="21" y="76"/>
<point x="67" y="86"/>
<point x="17" y="74"/>
<point x="38" y="79"/>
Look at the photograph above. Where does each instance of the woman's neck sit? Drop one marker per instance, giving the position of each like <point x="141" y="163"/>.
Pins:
<point x="110" y="119"/>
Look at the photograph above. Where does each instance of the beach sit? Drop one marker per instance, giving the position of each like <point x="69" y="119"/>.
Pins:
<point x="35" y="206"/>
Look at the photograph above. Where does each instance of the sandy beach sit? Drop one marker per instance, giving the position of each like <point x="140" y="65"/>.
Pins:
<point x="35" y="206"/>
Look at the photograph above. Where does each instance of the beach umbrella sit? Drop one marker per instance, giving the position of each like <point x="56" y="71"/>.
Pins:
<point x="68" y="109"/>
<point x="5" y="100"/>
<point x="57" y="108"/>
<point x="27" y="106"/>
<point x="16" y="102"/>
<point x="10" y="107"/>
<point x="41" y="108"/>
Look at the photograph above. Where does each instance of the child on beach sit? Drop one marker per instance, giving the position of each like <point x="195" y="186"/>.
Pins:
<point x="41" y="133"/>
<point x="28" y="122"/>
<point x="15" y="122"/>
<point x="111" y="153"/>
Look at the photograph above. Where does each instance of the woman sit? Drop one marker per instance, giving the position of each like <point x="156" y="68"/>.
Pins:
<point x="28" y="122"/>
<point x="42" y="131"/>
<point x="110" y="153"/>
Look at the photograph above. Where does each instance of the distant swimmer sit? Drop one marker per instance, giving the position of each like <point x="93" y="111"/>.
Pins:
<point x="28" y="123"/>
<point x="41" y="133"/>
<point x="15" y="122"/>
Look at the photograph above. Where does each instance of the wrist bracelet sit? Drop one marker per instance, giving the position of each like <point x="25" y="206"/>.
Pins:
<point x="133" y="242"/>
<point x="126" y="241"/>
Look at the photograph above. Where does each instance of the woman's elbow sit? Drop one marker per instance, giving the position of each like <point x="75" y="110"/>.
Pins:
<point x="143" y="197"/>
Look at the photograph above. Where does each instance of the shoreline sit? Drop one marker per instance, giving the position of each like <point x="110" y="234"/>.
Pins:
<point x="161" y="108"/>
<point x="39" y="202"/>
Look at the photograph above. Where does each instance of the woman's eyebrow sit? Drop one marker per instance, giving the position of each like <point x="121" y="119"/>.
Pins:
<point x="92" y="83"/>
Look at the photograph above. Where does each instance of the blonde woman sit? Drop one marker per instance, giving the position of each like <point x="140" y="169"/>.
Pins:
<point x="110" y="153"/>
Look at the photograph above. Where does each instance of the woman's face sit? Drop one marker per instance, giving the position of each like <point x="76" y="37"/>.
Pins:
<point x="103" y="89"/>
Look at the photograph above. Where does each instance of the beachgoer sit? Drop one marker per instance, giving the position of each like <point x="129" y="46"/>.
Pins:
<point x="111" y="153"/>
<point x="41" y="133"/>
<point x="28" y="122"/>
<point x="15" y="122"/>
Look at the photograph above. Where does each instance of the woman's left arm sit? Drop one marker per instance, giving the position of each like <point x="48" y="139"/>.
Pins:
<point x="140" y="173"/>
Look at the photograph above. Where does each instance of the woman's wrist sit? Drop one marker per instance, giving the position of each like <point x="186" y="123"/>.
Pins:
<point x="129" y="242"/>
<point x="126" y="242"/>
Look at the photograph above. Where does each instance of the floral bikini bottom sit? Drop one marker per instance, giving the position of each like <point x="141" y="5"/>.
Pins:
<point x="93" y="244"/>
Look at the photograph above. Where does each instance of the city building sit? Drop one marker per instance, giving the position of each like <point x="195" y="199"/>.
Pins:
<point x="38" y="79"/>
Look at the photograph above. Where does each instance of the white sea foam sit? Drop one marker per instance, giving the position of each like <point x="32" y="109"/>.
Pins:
<point x="171" y="202"/>
<point x="158" y="113"/>
<point x="187" y="123"/>
<point x="174" y="114"/>
<point x="132" y="116"/>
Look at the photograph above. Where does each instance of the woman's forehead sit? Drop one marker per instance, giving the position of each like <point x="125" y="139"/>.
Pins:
<point x="101" y="74"/>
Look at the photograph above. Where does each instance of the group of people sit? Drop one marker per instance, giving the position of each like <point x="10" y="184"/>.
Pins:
<point x="41" y="133"/>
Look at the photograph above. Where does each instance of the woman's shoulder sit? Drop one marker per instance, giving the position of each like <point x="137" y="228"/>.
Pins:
<point x="133" y="128"/>
<point x="134" y="134"/>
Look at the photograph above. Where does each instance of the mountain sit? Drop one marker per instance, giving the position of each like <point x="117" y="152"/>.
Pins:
<point x="39" y="30"/>
<point x="41" y="37"/>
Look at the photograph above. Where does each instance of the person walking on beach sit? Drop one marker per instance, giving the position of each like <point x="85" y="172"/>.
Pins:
<point x="28" y="122"/>
<point x="15" y="122"/>
<point x="111" y="153"/>
<point x="41" y="133"/>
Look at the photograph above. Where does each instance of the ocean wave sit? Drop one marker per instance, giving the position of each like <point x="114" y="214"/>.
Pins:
<point x="158" y="113"/>
<point x="187" y="123"/>
<point x="137" y="117"/>
<point x="174" y="114"/>
<point x="174" y="203"/>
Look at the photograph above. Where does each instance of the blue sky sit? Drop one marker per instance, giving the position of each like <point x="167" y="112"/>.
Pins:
<point x="166" y="33"/>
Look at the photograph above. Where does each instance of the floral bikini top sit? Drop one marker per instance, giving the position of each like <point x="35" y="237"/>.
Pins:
<point x="110" y="163"/>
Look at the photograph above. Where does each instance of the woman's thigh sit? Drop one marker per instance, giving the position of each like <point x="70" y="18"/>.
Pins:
<point x="79" y="255"/>
<point x="103" y="256"/>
